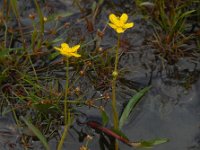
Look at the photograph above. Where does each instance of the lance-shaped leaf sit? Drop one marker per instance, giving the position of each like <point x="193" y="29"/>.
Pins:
<point x="131" y="104"/>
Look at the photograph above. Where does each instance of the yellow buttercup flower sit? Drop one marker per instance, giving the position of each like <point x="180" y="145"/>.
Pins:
<point x="119" y="24"/>
<point x="68" y="51"/>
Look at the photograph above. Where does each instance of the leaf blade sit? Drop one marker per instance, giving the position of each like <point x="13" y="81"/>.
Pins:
<point x="37" y="132"/>
<point x="152" y="143"/>
<point x="105" y="117"/>
<point x="132" y="102"/>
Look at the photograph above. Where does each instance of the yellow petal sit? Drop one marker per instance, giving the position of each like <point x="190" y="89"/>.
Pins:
<point x="124" y="18"/>
<point x="113" y="19"/>
<point x="75" y="48"/>
<point x="120" y="30"/>
<point x="64" y="53"/>
<point x="112" y="25"/>
<point x="75" y="54"/>
<point x="129" y="25"/>
<point x="57" y="48"/>
<point x="64" y="46"/>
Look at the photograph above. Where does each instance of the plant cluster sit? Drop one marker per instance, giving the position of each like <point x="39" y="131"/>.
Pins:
<point x="174" y="22"/>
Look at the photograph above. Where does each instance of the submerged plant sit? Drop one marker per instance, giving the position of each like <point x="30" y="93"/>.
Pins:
<point x="119" y="25"/>
<point x="67" y="52"/>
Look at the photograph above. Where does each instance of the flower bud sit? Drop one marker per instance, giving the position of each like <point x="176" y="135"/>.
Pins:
<point x="115" y="74"/>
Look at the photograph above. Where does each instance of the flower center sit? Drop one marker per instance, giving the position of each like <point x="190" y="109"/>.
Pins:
<point x="119" y="24"/>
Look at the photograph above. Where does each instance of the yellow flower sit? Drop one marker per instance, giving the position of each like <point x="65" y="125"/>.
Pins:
<point x="119" y="23"/>
<point x="68" y="51"/>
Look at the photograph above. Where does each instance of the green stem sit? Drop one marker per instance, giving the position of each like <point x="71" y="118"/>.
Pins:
<point x="34" y="71"/>
<point x="66" y="92"/>
<point x="63" y="137"/>
<point x="5" y="33"/>
<point x="117" y="53"/>
<point x="41" y="20"/>
<point x="66" y="111"/>
<point x="114" y="104"/>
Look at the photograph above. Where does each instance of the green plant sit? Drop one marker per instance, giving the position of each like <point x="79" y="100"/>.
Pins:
<point x="170" y="25"/>
<point x="119" y="24"/>
<point x="67" y="52"/>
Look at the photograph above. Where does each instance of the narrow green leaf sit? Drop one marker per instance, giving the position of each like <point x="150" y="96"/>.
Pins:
<point x="52" y="56"/>
<point x="55" y="16"/>
<point x="180" y="21"/>
<point x="14" y="7"/>
<point x="41" y="17"/>
<point x="56" y="40"/>
<point x="94" y="6"/>
<point x="104" y="117"/>
<point x="186" y="14"/>
<point x="151" y="143"/>
<point x="36" y="132"/>
<point x="131" y="104"/>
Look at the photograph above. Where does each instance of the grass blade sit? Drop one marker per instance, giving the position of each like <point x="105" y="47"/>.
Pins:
<point x="41" y="17"/>
<point x="180" y="21"/>
<point x="132" y="102"/>
<point x="37" y="133"/>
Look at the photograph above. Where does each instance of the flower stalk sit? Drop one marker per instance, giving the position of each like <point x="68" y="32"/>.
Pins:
<point x="68" y="52"/>
<point x="66" y="92"/>
<point x="115" y="75"/>
<point x="114" y="103"/>
<point x="119" y="24"/>
<point x="66" y="112"/>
